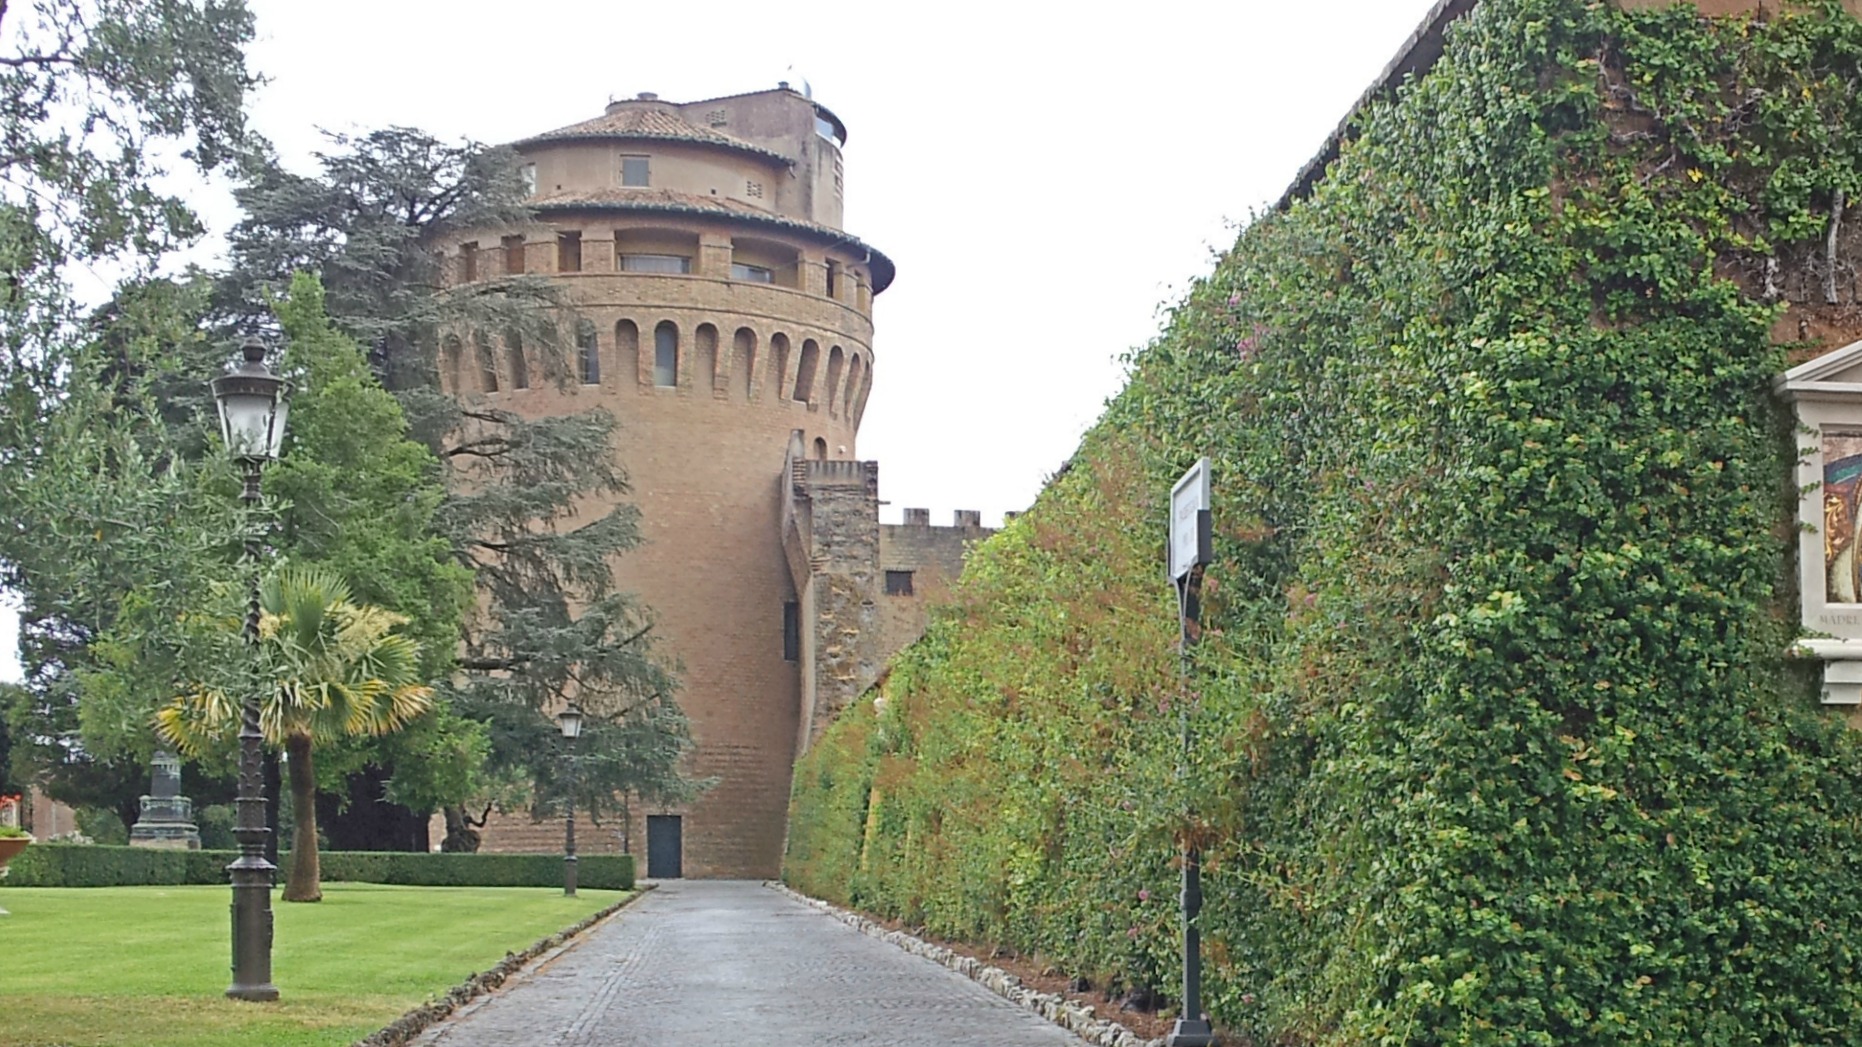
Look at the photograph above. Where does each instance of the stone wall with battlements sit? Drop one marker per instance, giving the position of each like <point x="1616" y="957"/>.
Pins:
<point x="933" y="558"/>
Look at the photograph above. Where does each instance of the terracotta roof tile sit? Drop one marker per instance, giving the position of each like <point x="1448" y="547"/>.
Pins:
<point x="649" y="123"/>
<point x="639" y="196"/>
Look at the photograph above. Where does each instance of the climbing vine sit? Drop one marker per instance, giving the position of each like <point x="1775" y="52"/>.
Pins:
<point x="1497" y="744"/>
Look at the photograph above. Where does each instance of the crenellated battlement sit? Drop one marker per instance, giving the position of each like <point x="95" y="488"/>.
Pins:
<point x="968" y="520"/>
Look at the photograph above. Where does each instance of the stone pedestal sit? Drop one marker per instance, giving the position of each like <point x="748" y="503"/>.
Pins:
<point x="167" y="818"/>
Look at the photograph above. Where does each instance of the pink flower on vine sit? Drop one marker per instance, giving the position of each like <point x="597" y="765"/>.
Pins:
<point x="1247" y="347"/>
<point x="1144" y="894"/>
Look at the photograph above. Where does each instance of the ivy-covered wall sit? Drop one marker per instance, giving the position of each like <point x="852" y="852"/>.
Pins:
<point x="1497" y="742"/>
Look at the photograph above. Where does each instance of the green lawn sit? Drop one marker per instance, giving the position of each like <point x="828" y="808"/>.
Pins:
<point x="146" y="966"/>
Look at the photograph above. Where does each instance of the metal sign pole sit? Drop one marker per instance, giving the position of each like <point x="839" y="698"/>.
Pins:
<point x="1190" y="523"/>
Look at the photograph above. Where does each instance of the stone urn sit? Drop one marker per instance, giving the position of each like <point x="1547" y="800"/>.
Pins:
<point x="10" y="846"/>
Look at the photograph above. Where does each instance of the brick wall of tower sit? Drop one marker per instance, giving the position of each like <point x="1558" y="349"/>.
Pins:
<point x="706" y="455"/>
<point x="704" y="459"/>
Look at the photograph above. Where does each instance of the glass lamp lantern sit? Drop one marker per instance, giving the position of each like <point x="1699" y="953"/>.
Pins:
<point x="569" y="721"/>
<point x="253" y="405"/>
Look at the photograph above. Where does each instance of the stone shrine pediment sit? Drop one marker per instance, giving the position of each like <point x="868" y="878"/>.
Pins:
<point x="1826" y="394"/>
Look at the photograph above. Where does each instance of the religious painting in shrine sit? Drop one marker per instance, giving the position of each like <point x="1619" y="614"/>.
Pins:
<point x="1842" y="477"/>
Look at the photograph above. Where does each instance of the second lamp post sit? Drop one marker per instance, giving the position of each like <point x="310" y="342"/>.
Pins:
<point x="253" y="404"/>
<point x="570" y="722"/>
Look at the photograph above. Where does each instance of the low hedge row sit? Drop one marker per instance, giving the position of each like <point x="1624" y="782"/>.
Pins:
<point x="77" y="865"/>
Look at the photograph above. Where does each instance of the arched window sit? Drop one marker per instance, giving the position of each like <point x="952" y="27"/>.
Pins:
<point x="514" y="350"/>
<point x="487" y="362"/>
<point x="821" y="449"/>
<point x="453" y="355"/>
<point x="666" y="354"/>
<point x="627" y="350"/>
<point x="837" y="361"/>
<point x="588" y="353"/>
<point x="805" y="374"/>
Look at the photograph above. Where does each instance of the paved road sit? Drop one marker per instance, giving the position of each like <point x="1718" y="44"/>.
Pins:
<point x="704" y="962"/>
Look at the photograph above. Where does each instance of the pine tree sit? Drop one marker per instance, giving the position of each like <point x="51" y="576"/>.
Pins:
<point x="92" y="93"/>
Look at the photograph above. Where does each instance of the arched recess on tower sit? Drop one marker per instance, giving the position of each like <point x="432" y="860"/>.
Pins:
<point x="837" y="362"/>
<point x="855" y="375"/>
<point x="519" y="368"/>
<point x="744" y="361"/>
<point x="452" y="352"/>
<point x="705" y="363"/>
<point x="805" y="371"/>
<point x="666" y="355"/>
<point x="782" y="363"/>
<point x="487" y="362"/>
<point x="627" y="351"/>
<point x="866" y="390"/>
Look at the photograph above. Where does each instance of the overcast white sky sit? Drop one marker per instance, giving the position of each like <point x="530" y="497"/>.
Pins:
<point x="1045" y="175"/>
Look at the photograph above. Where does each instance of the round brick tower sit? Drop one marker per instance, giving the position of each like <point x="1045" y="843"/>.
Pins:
<point x="724" y="315"/>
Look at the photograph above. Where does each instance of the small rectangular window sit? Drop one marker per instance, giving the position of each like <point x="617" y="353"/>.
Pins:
<point x="568" y="252"/>
<point x="756" y="274"/>
<point x="898" y="583"/>
<point x="513" y="254"/>
<point x="833" y="279"/>
<point x="468" y="262"/>
<point x="792" y="631"/>
<point x="528" y="173"/>
<point x="655" y="263"/>
<point x="634" y="170"/>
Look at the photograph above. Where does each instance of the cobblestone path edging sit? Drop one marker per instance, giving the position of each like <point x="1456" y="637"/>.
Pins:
<point x="403" y="1029"/>
<point x="1073" y="1017"/>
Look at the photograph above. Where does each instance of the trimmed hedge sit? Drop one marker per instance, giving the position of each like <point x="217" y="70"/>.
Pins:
<point x="102" y="865"/>
<point x="75" y="865"/>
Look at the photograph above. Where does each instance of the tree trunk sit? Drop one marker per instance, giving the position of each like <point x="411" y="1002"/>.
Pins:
<point x="461" y="837"/>
<point x="303" y="884"/>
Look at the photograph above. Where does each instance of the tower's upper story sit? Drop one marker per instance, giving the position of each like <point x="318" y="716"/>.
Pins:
<point x="768" y="159"/>
<point x="774" y="151"/>
<point x="700" y="249"/>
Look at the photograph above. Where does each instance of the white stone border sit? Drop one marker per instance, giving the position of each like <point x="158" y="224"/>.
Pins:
<point x="1074" y="1017"/>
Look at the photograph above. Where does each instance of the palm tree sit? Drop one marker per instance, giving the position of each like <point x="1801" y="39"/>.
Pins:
<point x="331" y="669"/>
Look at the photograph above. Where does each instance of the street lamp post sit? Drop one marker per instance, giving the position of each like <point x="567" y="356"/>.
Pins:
<point x="1189" y="552"/>
<point x="570" y="722"/>
<point x="253" y="406"/>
